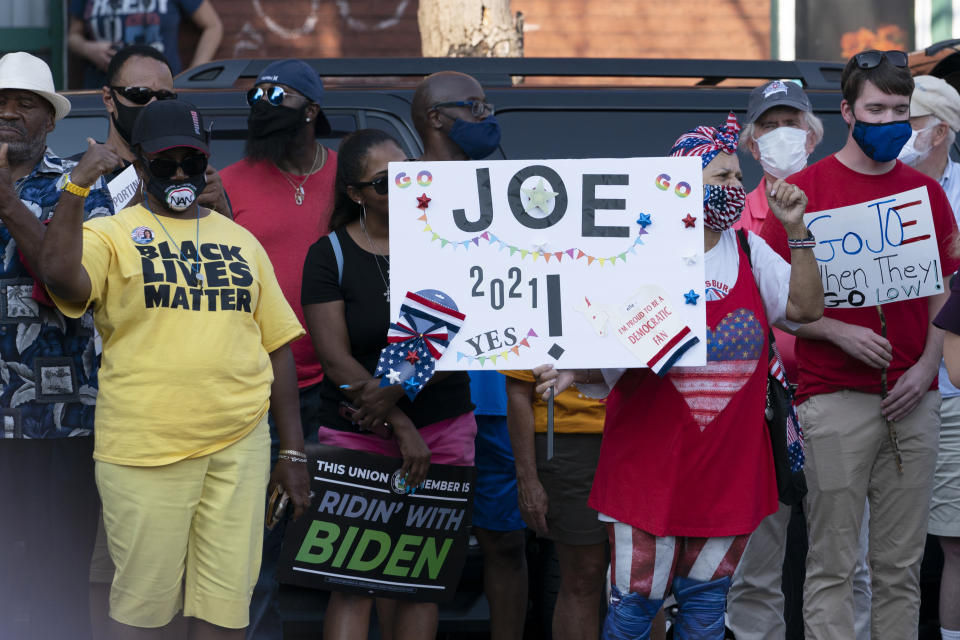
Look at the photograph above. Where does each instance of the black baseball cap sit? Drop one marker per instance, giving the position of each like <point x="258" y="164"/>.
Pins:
<point x="778" y="93"/>
<point x="165" y="124"/>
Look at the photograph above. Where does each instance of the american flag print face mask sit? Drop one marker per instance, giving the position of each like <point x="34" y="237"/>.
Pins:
<point x="722" y="205"/>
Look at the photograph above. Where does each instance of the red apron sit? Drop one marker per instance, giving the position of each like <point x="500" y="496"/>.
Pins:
<point x="689" y="454"/>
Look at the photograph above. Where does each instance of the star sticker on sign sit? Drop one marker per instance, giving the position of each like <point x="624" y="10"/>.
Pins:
<point x="423" y="202"/>
<point x="689" y="221"/>
<point x="539" y="196"/>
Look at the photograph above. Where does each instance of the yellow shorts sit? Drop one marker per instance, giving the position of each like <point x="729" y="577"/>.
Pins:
<point x="188" y="533"/>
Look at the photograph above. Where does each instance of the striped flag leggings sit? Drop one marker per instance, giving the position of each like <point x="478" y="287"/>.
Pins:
<point x="645" y="568"/>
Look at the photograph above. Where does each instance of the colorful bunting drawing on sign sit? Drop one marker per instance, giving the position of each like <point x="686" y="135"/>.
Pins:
<point x="428" y="321"/>
<point x="504" y="354"/>
<point x="538" y="251"/>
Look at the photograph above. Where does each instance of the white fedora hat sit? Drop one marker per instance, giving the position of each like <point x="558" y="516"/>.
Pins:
<point x="20" y="70"/>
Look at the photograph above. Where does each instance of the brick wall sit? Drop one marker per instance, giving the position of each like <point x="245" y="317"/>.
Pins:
<point x="568" y="28"/>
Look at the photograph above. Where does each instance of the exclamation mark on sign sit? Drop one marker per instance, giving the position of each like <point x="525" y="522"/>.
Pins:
<point x="554" y="315"/>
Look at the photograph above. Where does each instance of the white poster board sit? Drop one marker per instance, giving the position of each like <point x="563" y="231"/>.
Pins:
<point x="579" y="263"/>
<point x="877" y="251"/>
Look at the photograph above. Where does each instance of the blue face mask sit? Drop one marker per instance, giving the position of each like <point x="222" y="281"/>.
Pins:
<point x="882" y="142"/>
<point x="479" y="139"/>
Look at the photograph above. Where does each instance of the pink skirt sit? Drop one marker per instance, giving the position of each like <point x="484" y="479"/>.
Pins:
<point x="450" y="441"/>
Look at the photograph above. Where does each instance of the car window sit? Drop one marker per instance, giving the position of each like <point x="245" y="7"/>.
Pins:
<point x="70" y="135"/>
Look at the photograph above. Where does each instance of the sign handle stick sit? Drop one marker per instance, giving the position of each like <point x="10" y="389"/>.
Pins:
<point x="550" y="424"/>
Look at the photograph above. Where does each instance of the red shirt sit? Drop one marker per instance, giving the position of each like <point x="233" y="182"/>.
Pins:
<point x="755" y="212"/>
<point x="263" y="203"/>
<point x="689" y="454"/>
<point x="823" y="366"/>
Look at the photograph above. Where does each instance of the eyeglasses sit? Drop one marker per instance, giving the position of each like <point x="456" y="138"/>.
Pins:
<point x="477" y="107"/>
<point x="193" y="165"/>
<point x="379" y="185"/>
<point x="274" y="95"/>
<point x="872" y="59"/>
<point x="143" y="95"/>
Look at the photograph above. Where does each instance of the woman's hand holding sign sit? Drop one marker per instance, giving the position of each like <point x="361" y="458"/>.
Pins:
<point x="546" y="377"/>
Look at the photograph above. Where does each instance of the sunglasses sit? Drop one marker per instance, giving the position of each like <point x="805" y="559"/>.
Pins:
<point x="477" y="107"/>
<point x="379" y="185"/>
<point x="274" y="95"/>
<point x="143" y="95"/>
<point x="193" y="165"/>
<point x="872" y="59"/>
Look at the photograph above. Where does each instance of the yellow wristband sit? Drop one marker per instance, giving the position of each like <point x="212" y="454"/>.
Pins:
<point x="76" y="190"/>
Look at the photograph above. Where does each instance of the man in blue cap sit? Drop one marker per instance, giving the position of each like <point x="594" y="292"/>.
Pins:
<point x="282" y="192"/>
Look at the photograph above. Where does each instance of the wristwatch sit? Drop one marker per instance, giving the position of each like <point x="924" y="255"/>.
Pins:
<point x="75" y="189"/>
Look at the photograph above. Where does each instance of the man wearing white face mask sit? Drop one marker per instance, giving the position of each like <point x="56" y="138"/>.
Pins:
<point x="935" y="119"/>
<point x="781" y="132"/>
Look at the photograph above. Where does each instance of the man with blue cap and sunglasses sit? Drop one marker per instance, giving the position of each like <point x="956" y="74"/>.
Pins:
<point x="282" y="192"/>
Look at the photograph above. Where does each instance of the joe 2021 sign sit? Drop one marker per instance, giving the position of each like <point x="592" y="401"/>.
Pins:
<point x="583" y="263"/>
<point x="878" y="251"/>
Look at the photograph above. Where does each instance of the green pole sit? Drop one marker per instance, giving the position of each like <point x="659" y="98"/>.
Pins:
<point x="941" y="21"/>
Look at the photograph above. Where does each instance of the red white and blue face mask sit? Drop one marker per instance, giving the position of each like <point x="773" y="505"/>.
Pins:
<point x="722" y="205"/>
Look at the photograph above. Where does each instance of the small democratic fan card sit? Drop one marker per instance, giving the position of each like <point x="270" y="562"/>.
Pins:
<point x="429" y="320"/>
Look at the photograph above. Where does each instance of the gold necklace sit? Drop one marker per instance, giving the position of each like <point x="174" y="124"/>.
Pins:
<point x="298" y="194"/>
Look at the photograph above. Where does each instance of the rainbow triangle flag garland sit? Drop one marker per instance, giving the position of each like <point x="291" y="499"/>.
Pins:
<point x="571" y="254"/>
<point x="429" y="320"/>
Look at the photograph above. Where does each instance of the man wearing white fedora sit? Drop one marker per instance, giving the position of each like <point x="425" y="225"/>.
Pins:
<point x="48" y="371"/>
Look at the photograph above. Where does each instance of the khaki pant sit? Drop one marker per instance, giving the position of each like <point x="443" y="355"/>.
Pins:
<point x="755" y="601"/>
<point x="850" y="459"/>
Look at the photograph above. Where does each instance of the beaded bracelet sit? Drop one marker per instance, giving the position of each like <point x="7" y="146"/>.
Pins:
<point x="288" y="458"/>
<point x="293" y="452"/>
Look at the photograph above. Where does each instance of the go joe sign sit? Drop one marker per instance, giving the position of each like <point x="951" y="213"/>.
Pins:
<point x="582" y="263"/>
<point x="878" y="251"/>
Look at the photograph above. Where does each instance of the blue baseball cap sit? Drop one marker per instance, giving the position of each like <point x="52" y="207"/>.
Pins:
<point x="298" y="75"/>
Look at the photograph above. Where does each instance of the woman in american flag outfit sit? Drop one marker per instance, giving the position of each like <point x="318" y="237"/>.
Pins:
<point x="685" y="471"/>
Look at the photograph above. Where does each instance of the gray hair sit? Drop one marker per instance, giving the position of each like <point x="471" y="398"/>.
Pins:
<point x="814" y="125"/>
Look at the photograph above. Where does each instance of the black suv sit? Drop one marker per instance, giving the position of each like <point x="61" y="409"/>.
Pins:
<point x="548" y="108"/>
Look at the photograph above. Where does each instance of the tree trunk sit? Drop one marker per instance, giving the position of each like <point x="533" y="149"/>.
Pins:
<point x="469" y="28"/>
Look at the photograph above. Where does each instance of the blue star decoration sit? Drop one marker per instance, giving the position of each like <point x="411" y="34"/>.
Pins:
<point x="412" y="385"/>
<point x="691" y="297"/>
<point x="644" y="220"/>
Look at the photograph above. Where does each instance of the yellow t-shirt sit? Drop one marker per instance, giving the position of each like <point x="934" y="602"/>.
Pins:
<point x="573" y="412"/>
<point x="186" y="370"/>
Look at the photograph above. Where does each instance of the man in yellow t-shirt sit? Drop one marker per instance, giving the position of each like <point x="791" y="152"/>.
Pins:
<point x="196" y="337"/>
<point x="553" y="494"/>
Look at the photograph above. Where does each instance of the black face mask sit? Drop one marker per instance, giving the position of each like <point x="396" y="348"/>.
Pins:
<point x="267" y="120"/>
<point x="124" y="118"/>
<point x="176" y="195"/>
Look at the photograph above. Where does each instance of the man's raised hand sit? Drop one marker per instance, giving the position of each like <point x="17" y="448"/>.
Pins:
<point x="96" y="161"/>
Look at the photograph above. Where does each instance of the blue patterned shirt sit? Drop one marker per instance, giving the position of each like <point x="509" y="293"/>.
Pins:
<point x="48" y="364"/>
